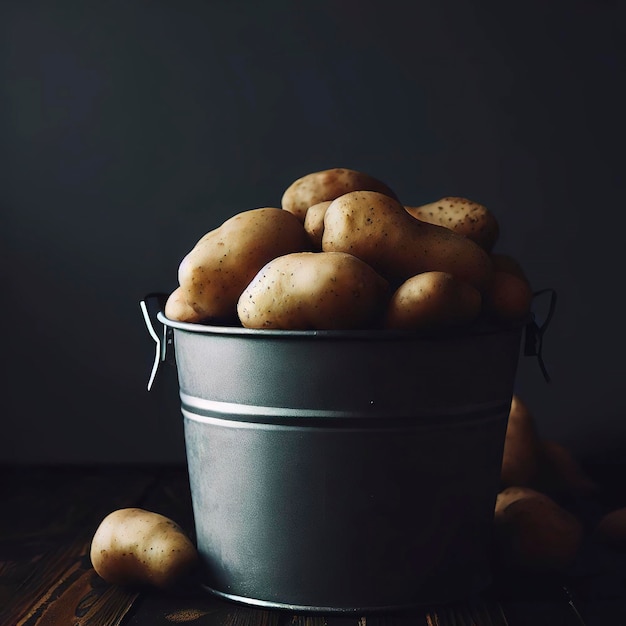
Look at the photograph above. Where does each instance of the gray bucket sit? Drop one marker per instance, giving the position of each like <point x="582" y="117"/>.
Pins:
<point x="340" y="471"/>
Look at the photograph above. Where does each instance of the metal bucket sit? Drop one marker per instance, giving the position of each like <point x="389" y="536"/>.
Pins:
<point x="343" y="471"/>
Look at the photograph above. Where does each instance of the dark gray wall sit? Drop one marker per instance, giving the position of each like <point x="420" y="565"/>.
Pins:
<point x="129" y="129"/>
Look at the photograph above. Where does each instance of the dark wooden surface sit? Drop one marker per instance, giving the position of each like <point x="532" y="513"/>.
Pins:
<point x="49" y="515"/>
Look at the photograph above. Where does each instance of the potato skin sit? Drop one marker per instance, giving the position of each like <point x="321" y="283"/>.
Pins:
<point x="533" y="533"/>
<point x="314" y="223"/>
<point x="327" y="185"/>
<point x="611" y="529"/>
<point x="313" y="290"/>
<point x="176" y="308"/>
<point x="215" y="272"/>
<point x="133" y="546"/>
<point x="432" y="301"/>
<point x="508" y="298"/>
<point x="510" y="295"/>
<point x="507" y="263"/>
<point x="562" y="473"/>
<point x="510" y="494"/>
<point x="522" y="452"/>
<point x="466" y="217"/>
<point x="378" y="230"/>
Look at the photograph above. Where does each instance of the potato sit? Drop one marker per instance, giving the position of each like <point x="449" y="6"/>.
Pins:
<point x="509" y="298"/>
<point x="611" y="529"/>
<point x="314" y="223"/>
<point x="176" y="308"/>
<point x="327" y="185"/>
<point x="534" y="533"/>
<point x="378" y="230"/>
<point x="220" y="266"/>
<point x="510" y="494"/>
<point x="521" y="456"/>
<point x="463" y="216"/>
<point x="133" y="546"/>
<point x="313" y="290"/>
<point x="561" y="471"/>
<point x="432" y="301"/>
<point x="507" y="263"/>
<point x="510" y="295"/>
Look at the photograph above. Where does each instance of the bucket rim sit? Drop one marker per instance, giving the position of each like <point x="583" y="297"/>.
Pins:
<point x="482" y="328"/>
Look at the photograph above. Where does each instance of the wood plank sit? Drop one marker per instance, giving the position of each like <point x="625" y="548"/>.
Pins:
<point x="76" y="597"/>
<point x="200" y="608"/>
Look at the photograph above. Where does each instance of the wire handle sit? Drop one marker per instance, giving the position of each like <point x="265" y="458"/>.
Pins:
<point x="533" y="345"/>
<point x="147" y="304"/>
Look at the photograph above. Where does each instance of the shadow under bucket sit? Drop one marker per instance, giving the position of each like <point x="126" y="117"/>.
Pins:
<point x="336" y="471"/>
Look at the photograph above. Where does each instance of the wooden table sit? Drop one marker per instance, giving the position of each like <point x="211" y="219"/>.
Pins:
<point x="49" y="514"/>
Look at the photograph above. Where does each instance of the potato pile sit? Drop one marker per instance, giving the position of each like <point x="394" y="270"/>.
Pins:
<point x="344" y="252"/>
<point x="537" y="525"/>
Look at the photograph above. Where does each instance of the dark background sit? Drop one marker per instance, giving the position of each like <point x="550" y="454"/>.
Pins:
<point x="129" y="129"/>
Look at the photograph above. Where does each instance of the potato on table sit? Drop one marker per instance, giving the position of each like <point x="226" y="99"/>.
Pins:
<point x="561" y="472"/>
<point x="133" y="546"/>
<point x="468" y="218"/>
<point x="510" y="494"/>
<point x="378" y="230"/>
<point x="432" y="301"/>
<point x="522" y="452"/>
<point x="215" y="272"/>
<point x="327" y="185"/>
<point x="611" y="529"/>
<point x="314" y="290"/>
<point x="533" y="533"/>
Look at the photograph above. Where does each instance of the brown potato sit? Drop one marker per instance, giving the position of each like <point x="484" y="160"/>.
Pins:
<point x="176" y="308"/>
<point x="562" y="472"/>
<point x="508" y="298"/>
<point x="432" y="301"/>
<point x="327" y="185"/>
<point x="378" y="230"/>
<point x="521" y="456"/>
<point x="133" y="546"/>
<point x="507" y="263"/>
<point x="463" y="216"/>
<point x="220" y="266"/>
<point x="611" y="530"/>
<point x="511" y="494"/>
<point x="313" y="290"/>
<point x="314" y="223"/>
<point x="535" y="534"/>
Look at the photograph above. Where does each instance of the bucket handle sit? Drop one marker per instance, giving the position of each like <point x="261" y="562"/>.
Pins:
<point x="152" y="301"/>
<point x="533" y="343"/>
